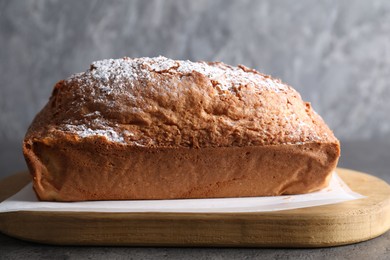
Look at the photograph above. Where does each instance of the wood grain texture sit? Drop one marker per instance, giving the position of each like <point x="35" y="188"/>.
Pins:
<point x="321" y="226"/>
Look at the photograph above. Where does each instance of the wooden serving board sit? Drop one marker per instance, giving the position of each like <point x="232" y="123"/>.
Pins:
<point x="321" y="226"/>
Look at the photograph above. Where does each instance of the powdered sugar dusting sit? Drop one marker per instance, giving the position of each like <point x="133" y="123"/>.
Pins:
<point x="223" y="76"/>
<point x="160" y="63"/>
<point x="96" y="126"/>
<point x="83" y="131"/>
<point x="111" y="74"/>
<point x="107" y="79"/>
<point x="118" y="70"/>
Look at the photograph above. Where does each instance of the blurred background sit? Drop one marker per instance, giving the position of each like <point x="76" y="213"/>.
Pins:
<point x="335" y="53"/>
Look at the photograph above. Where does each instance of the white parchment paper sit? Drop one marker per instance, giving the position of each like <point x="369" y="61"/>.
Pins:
<point x="336" y="192"/>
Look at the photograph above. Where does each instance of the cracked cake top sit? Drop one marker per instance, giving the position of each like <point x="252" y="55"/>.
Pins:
<point x="160" y="102"/>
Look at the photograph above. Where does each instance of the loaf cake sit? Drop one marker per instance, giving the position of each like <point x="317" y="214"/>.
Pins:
<point x="157" y="128"/>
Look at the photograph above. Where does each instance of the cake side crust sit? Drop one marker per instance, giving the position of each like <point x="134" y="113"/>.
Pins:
<point x="93" y="169"/>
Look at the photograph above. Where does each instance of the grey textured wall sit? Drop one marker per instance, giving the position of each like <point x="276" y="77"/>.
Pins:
<point x="336" y="53"/>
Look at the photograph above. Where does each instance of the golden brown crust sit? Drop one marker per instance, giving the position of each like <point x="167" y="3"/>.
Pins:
<point x="154" y="128"/>
<point x="66" y="169"/>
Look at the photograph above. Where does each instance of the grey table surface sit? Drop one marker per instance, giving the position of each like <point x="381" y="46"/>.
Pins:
<point x="367" y="156"/>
